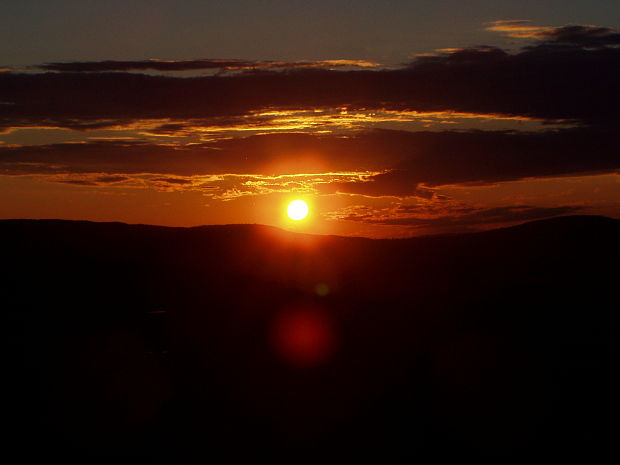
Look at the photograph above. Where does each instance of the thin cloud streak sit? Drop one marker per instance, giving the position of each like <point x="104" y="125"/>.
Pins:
<point x="223" y="187"/>
<point x="201" y="64"/>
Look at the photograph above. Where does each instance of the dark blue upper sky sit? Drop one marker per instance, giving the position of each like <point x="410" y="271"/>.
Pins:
<point x="388" y="31"/>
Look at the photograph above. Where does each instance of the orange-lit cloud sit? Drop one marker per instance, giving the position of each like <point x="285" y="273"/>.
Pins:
<point x="200" y="64"/>
<point x="218" y="187"/>
<point x="573" y="34"/>
<point x="516" y="26"/>
<point x="374" y="163"/>
<point x="319" y="121"/>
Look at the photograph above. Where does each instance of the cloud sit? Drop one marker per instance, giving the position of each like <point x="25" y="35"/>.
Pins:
<point x="110" y="179"/>
<point x="315" y="120"/>
<point x="180" y="181"/>
<point x="76" y="182"/>
<point x="509" y="25"/>
<point x="387" y="163"/>
<point x="571" y="82"/>
<point x="218" y="187"/>
<point x="440" y="158"/>
<point x="201" y="64"/>
<point x="87" y="180"/>
<point x="588" y="36"/>
<point x="273" y="154"/>
<point x="584" y="36"/>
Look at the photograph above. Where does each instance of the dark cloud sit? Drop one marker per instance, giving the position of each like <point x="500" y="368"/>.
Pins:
<point x="442" y="158"/>
<point x="88" y="181"/>
<point x="110" y="157"/>
<point x="553" y="83"/>
<point x="583" y="36"/>
<point x="406" y="161"/>
<point x="189" y="65"/>
<point x="173" y="180"/>
<point x="110" y="179"/>
<point x="76" y="182"/>
<point x="587" y="36"/>
<point x="268" y="154"/>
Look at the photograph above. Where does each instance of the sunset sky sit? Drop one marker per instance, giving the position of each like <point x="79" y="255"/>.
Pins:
<point x="390" y="119"/>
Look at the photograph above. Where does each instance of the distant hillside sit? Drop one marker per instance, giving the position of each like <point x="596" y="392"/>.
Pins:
<point x="191" y="343"/>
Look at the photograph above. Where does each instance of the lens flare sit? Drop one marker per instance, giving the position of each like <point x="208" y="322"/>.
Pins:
<point x="304" y="337"/>
<point x="297" y="210"/>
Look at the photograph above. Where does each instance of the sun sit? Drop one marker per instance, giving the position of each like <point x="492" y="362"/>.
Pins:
<point x="297" y="210"/>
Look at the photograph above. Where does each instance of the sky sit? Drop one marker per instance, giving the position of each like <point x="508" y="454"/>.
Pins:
<point x="391" y="119"/>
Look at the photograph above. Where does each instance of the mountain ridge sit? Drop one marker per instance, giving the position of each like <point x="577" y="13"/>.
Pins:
<point x="158" y="342"/>
<point x="568" y="219"/>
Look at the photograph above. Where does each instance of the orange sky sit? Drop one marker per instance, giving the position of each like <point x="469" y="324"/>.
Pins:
<point x="457" y="139"/>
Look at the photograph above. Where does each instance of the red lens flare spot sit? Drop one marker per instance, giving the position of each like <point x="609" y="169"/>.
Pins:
<point x="303" y="337"/>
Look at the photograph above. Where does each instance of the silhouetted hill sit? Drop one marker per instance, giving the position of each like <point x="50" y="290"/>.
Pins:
<point x="244" y="341"/>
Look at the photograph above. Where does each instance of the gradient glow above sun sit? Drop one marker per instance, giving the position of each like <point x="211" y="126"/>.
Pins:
<point x="297" y="210"/>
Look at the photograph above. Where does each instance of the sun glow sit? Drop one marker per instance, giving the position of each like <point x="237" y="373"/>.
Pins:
<point x="297" y="210"/>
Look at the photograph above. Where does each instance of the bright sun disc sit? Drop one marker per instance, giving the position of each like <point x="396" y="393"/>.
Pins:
<point x="297" y="210"/>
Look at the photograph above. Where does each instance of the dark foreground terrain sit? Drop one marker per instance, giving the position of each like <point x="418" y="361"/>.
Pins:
<point x="215" y="344"/>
